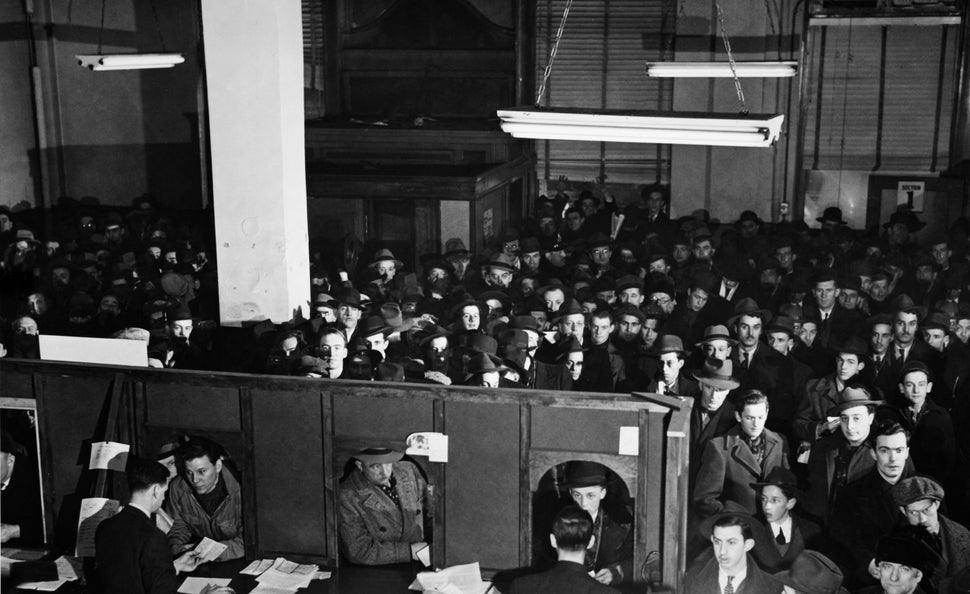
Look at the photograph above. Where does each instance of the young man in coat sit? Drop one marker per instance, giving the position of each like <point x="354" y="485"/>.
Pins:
<point x="380" y="509"/>
<point x="790" y="533"/>
<point x="731" y="569"/>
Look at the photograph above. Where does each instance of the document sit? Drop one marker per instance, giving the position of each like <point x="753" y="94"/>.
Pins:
<point x="94" y="510"/>
<point x="209" y="550"/>
<point x="458" y="579"/>
<point x="65" y="573"/>
<point x="109" y="455"/>
<point x="257" y="567"/>
<point x="431" y="444"/>
<point x="287" y="576"/>
<point x="195" y="585"/>
<point x="629" y="441"/>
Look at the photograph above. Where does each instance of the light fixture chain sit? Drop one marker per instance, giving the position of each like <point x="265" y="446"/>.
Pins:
<point x="552" y="53"/>
<point x="158" y="28"/>
<point x="727" y="48"/>
<point x="101" y="29"/>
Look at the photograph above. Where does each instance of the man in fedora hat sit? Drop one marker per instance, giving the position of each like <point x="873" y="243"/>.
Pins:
<point x="902" y="562"/>
<point x="831" y="218"/>
<point x="919" y="499"/>
<point x="381" y="508"/>
<point x="669" y="349"/>
<point x="865" y="510"/>
<point x="610" y="555"/>
<point x="844" y="456"/>
<point x="187" y="353"/>
<point x="350" y="308"/>
<point x="929" y="424"/>
<point x="572" y="533"/>
<point x="711" y="414"/>
<point x="952" y="366"/>
<point x="907" y="344"/>
<point x="811" y="572"/>
<point x="746" y="453"/>
<point x="731" y="569"/>
<point x="821" y="394"/>
<point x="790" y="533"/>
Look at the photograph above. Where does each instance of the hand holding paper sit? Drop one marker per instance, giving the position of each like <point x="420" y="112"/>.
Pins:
<point x="209" y="550"/>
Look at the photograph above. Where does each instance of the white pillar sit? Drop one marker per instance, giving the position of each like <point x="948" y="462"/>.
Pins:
<point x="254" y="76"/>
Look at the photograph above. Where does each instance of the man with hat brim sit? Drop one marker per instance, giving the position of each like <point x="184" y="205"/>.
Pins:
<point x="732" y="535"/>
<point x="918" y="499"/>
<point x="350" y="308"/>
<point x="361" y="361"/>
<point x="831" y="218"/>
<point x="712" y="413"/>
<point x="822" y="394"/>
<point x="844" y="456"/>
<point x="187" y="352"/>
<point x="669" y="349"/>
<point x="375" y="332"/>
<point x="20" y="504"/>
<point x="902" y="563"/>
<point x="483" y="370"/>
<point x="811" y="573"/>
<point x="952" y="367"/>
<point x="595" y="490"/>
<point x="594" y="370"/>
<point x="791" y="534"/>
<point x="929" y="424"/>
<point x="381" y="509"/>
<point x="907" y="344"/>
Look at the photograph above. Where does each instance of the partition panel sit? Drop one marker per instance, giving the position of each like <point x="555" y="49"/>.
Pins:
<point x="591" y="431"/>
<point x="192" y="406"/>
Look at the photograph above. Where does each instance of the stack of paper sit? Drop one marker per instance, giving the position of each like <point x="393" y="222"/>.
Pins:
<point x="65" y="573"/>
<point x="459" y="579"/>
<point x="282" y="576"/>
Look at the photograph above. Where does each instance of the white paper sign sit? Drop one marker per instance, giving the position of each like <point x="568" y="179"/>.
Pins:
<point x="911" y="193"/>
<point x="430" y="444"/>
<point x="81" y="349"/>
<point x="109" y="455"/>
<point x="94" y="510"/>
<point x="629" y="441"/>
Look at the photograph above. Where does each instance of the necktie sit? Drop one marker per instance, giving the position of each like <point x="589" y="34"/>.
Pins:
<point x="825" y="315"/>
<point x="901" y="354"/>
<point x="729" y="588"/>
<point x="780" y="538"/>
<point x="744" y="360"/>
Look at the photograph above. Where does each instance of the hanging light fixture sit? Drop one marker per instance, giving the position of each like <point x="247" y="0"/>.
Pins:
<point x="100" y="62"/>
<point x="709" y="129"/>
<point x="781" y="69"/>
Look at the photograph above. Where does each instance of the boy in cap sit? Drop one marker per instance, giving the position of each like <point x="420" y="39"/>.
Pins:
<point x="791" y="533"/>
<point x="381" y="509"/>
<point x="822" y="394"/>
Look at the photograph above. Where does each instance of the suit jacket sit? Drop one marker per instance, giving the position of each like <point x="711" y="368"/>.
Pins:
<point x="373" y="530"/>
<point x="614" y="551"/>
<point x="728" y="468"/>
<point x="702" y="579"/>
<point x="821" y="469"/>
<point x="932" y="443"/>
<point x="841" y="324"/>
<point x="919" y="351"/>
<point x="565" y="577"/>
<point x="132" y="555"/>
<point x="685" y="387"/>
<point x="805" y="534"/>
<point x="770" y="372"/>
<point x="820" y="395"/>
<point x="955" y="541"/>
<point x="719" y="423"/>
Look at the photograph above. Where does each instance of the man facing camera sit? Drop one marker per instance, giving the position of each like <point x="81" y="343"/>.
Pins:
<point x="572" y="531"/>
<point x="381" y="509"/>
<point x="206" y="501"/>
<point x="132" y="556"/>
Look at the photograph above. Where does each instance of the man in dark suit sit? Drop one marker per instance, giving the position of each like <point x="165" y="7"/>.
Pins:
<point x="731" y="569"/>
<point x="132" y="553"/>
<point x="571" y="533"/>
<point x="907" y="345"/>
<point x="791" y="534"/>
<point x="712" y="414"/>
<point x="835" y="323"/>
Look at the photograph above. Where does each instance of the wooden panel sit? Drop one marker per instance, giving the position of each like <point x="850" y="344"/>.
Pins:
<point x="288" y="450"/>
<point x="560" y="428"/>
<point x="192" y="407"/>
<point x="381" y="418"/>
<point x="482" y="504"/>
<point x="14" y="384"/>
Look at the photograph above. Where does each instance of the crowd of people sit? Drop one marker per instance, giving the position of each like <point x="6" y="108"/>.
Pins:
<point x="828" y="367"/>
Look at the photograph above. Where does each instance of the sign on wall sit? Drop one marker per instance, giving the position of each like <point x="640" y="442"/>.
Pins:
<point x="911" y="193"/>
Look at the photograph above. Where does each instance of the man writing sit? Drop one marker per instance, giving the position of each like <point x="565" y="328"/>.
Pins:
<point x="132" y="556"/>
<point x="381" y="509"/>
<point x="206" y="502"/>
<point x="572" y="531"/>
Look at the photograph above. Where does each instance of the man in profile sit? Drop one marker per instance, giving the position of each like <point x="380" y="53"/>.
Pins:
<point x="572" y="531"/>
<point x="206" y="501"/>
<point x="131" y="552"/>
<point x="380" y="509"/>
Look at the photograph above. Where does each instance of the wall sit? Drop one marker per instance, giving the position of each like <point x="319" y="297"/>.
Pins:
<point x="113" y="135"/>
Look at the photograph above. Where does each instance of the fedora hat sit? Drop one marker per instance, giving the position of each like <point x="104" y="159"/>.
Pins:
<point x="852" y="345"/>
<point x="395" y="318"/>
<point x="812" y="573"/>
<point x="779" y="477"/>
<point x="385" y="255"/>
<point x="629" y="281"/>
<point x="905" y="217"/>
<point x="455" y="247"/>
<point x="375" y="325"/>
<point x="782" y="324"/>
<point x="528" y="245"/>
<point x="480" y="343"/>
<point x="936" y="321"/>
<point x="482" y="363"/>
<point x="669" y="343"/>
<point x="852" y="397"/>
<point x="379" y="455"/>
<point x="907" y="550"/>
<point x="716" y="332"/>
<point x="732" y="509"/>
<point x="832" y="214"/>
<point x="9" y="445"/>
<point x="584" y="473"/>
<point x="502" y="262"/>
<point x="349" y="296"/>
<point x="749" y="307"/>
<point x="569" y="308"/>
<point x="717" y="373"/>
<point x="431" y="333"/>
<point x="904" y="303"/>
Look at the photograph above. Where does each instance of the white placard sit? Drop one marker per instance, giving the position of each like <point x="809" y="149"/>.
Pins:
<point x="911" y="193"/>
<point x="105" y="351"/>
<point x="109" y="455"/>
<point x="428" y="443"/>
<point x="629" y="441"/>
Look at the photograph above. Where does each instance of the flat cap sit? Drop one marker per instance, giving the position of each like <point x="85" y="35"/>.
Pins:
<point x="915" y="488"/>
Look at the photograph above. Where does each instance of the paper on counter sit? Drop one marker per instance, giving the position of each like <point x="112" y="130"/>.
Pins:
<point x="264" y="589"/>
<point x="65" y="573"/>
<point x="322" y="575"/>
<point x="424" y="555"/>
<point x="109" y="455"/>
<point x="94" y="510"/>
<point x="209" y="550"/>
<point x="195" y="585"/>
<point x="458" y="579"/>
<point x="629" y="441"/>
<point x="274" y="578"/>
<point x="257" y="567"/>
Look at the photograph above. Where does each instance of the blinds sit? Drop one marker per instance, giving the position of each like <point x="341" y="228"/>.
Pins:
<point x="600" y="65"/>
<point x="313" y="58"/>
<point x="857" y="122"/>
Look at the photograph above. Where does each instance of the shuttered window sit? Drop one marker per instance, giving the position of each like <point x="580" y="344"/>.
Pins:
<point x="880" y="98"/>
<point x="600" y="65"/>
<point x="313" y="58"/>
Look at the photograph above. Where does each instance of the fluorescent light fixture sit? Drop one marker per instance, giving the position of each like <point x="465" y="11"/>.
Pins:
<point x="721" y="69"/>
<point x="99" y="62"/>
<point x="708" y="129"/>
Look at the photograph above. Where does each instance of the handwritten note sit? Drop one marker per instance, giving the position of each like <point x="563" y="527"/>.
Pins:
<point x="109" y="455"/>
<point x="94" y="510"/>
